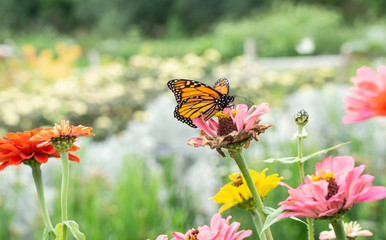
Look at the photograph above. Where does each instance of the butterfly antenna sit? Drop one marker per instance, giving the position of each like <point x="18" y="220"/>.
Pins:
<point x="245" y="99"/>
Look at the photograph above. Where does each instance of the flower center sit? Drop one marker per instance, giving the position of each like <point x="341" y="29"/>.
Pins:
<point x="193" y="234"/>
<point x="225" y="125"/>
<point x="330" y="178"/>
<point x="322" y="175"/>
<point x="332" y="188"/>
<point x="63" y="143"/>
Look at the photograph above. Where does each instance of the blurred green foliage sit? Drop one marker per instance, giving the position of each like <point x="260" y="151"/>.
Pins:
<point x="153" y="18"/>
<point x="126" y="28"/>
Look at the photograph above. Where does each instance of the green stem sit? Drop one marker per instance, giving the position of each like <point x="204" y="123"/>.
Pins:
<point x="300" y="155"/>
<point x="310" y="224"/>
<point x="63" y="193"/>
<point x="258" y="224"/>
<point x="37" y="175"/>
<point x="338" y="229"/>
<point x="251" y="185"/>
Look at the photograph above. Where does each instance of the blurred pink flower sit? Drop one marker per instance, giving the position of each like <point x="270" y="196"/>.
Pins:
<point x="352" y="230"/>
<point x="235" y="124"/>
<point x="370" y="99"/>
<point x="219" y="229"/>
<point x="335" y="186"/>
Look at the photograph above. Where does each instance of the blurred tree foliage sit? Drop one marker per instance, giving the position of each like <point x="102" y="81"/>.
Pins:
<point x="154" y="18"/>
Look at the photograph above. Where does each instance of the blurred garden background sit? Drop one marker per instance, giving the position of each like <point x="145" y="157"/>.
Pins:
<point x="105" y="64"/>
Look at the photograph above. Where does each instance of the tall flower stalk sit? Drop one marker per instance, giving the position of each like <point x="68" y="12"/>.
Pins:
<point x="37" y="176"/>
<point x="235" y="129"/>
<point x="18" y="148"/>
<point x="236" y="153"/>
<point x="338" y="226"/>
<point x="63" y="191"/>
<point x="301" y="119"/>
<point x="62" y="138"/>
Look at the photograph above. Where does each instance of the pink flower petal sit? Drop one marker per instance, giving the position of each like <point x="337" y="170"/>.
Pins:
<point x="201" y="123"/>
<point x="194" y="141"/>
<point x="374" y="193"/>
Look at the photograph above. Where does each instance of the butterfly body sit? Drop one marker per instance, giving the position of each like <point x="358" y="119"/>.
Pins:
<point x="195" y="99"/>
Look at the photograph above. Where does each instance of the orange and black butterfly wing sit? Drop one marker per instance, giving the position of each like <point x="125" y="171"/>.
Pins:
<point x="184" y="89"/>
<point x="196" y="98"/>
<point x="193" y="107"/>
<point x="222" y="86"/>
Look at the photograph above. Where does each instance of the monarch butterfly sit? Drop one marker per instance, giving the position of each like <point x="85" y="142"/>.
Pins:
<point x="195" y="98"/>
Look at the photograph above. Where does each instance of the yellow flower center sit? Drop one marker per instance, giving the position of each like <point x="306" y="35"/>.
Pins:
<point x="322" y="175"/>
<point x="226" y="114"/>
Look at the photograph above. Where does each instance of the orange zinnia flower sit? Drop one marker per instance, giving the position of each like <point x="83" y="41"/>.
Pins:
<point x="63" y="136"/>
<point x="17" y="147"/>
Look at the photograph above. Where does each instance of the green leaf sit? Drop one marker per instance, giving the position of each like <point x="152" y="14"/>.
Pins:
<point x="59" y="231"/>
<point x="318" y="153"/>
<point x="286" y="160"/>
<point x="289" y="160"/>
<point x="299" y="220"/>
<point x="45" y="233"/>
<point x="272" y="217"/>
<point x="74" y="228"/>
<point x="48" y="234"/>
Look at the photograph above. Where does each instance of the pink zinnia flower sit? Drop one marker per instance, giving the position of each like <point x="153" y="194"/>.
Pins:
<point x="335" y="187"/>
<point x="370" y="99"/>
<point x="236" y="124"/>
<point x="219" y="229"/>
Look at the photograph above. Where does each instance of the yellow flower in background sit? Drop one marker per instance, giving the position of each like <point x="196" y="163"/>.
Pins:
<point x="237" y="194"/>
<point x="52" y="64"/>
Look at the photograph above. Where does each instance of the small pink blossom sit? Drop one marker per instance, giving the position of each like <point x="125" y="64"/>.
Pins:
<point x="335" y="186"/>
<point x="219" y="229"/>
<point x="370" y="99"/>
<point x="352" y="230"/>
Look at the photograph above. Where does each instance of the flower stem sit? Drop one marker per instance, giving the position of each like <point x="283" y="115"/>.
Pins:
<point x="251" y="185"/>
<point x="37" y="175"/>
<point x="258" y="224"/>
<point x="300" y="155"/>
<point x="310" y="225"/>
<point x="338" y="229"/>
<point x="63" y="193"/>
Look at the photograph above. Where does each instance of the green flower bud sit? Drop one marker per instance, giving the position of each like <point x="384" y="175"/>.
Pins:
<point x="301" y="117"/>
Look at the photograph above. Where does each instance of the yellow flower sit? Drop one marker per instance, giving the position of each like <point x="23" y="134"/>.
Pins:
<point x="236" y="193"/>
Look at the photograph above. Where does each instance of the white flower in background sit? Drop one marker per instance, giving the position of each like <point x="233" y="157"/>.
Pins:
<point x="306" y="46"/>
